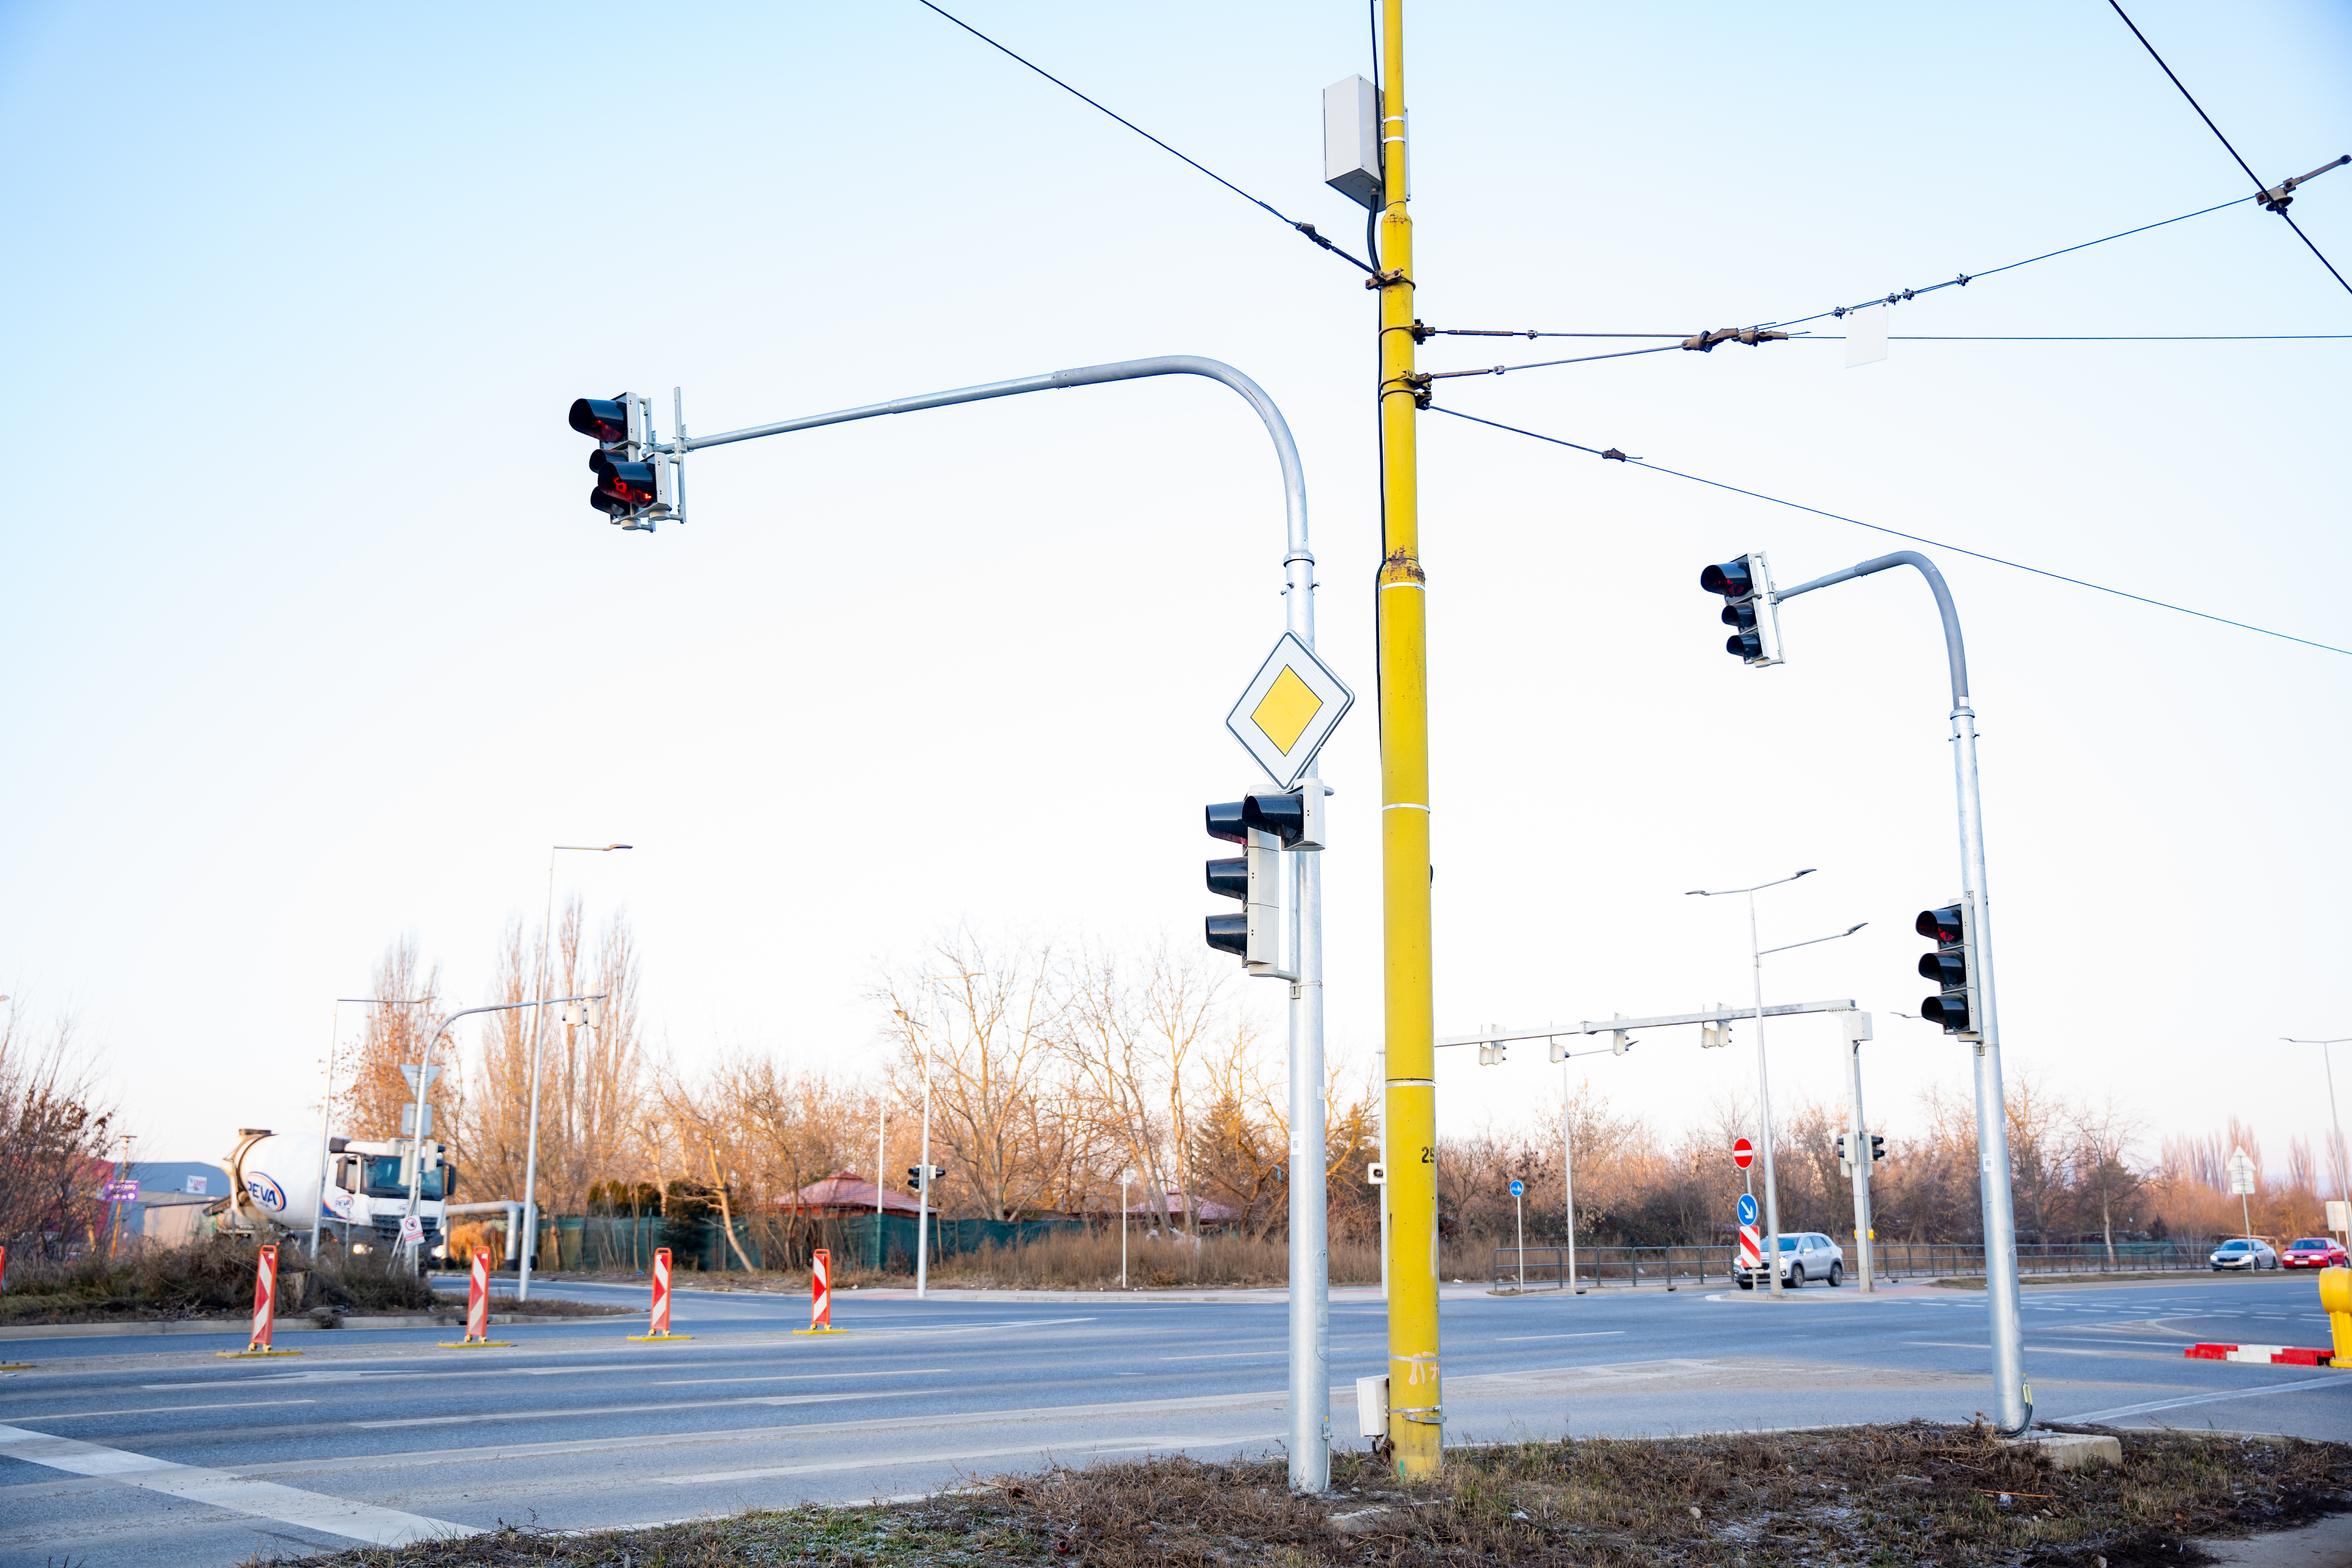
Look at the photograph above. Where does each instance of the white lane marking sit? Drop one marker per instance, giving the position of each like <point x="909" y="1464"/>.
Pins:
<point x="2296" y="1387"/>
<point x="1156" y="1445"/>
<point x="1223" y="1355"/>
<point x="2045" y="1349"/>
<point x="262" y="1500"/>
<point x="157" y="1409"/>
<point x="1590" y="1334"/>
<point x="806" y="1376"/>
<point x="666" y="1406"/>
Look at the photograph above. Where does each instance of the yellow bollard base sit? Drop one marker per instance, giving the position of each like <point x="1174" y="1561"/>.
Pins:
<point x="250" y="1353"/>
<point x="659" y="1339"/>
<point x="476" y="1345"/>
<point x="820" y="1330"/>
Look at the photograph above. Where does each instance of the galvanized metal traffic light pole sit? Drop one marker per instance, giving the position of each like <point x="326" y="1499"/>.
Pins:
<point x="1310" y="1313"/>
<point x="2012" y="1397"/>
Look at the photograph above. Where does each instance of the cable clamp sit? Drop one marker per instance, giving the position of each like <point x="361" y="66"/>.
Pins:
<point x="1384" y="280"/>
<point x="1613" y="455"/>
<point x="1422" y="334"/>
<point x="1704" y="343"/>
<point x="1435" y="1415"/>
<point x="2277" y="198"/>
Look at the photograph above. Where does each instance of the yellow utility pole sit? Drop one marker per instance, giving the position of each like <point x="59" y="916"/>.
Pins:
<point x="1415" y="1412"/>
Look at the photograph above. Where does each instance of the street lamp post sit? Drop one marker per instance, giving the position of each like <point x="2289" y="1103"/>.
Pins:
<point x="923" y="1170"/>
<point x="2343" y="1167"/>
<point x="537" y="1033"/>
<point x="1763" y="1073"/>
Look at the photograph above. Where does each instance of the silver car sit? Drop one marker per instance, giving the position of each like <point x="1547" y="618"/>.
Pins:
<point x="1804" y="1254"/>
<point x="2247" y="1252"/>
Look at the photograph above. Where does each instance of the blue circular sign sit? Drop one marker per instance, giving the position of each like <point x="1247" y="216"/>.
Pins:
<point x="1748" y="1208"/>
<point x="1518" y="1189"/>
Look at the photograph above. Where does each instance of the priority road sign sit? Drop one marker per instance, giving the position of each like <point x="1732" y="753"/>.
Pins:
<point x="1748" y="1208"/>
<point x="1518" y="1188"/>
<point x="1288" y="710"/>
<point x="1743" y="1152"/>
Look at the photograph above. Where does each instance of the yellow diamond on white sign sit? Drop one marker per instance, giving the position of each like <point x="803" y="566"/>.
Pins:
<point x="1288" y="710"/>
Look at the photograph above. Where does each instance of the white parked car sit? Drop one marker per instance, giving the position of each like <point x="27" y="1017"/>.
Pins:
<point x="1804" y="1254"/>
<point x="2247" y="1252"/>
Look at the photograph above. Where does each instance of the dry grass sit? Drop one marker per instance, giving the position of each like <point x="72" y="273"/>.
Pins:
<point x="1916" y="1495"/>
<point x="201" y="1280"/>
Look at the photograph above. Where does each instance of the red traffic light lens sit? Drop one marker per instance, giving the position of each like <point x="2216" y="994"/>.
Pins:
<point x="1940" y="925"/>
<point x="1729" y="579"/>
<point x="604" y="418"/>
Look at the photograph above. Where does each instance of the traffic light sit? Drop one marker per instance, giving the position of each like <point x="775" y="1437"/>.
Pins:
<point x="1845" y="1165"/>
<point x="1619" y="1042"/>
<point x="1877" y="1147"/>
<point x="1490" y="1053"/>
<point x="915" y="1176"/>
<point x="1560" y="1050"/>
<point x="633" y="485"/>
<point x="1265" y="825"/>
<point x="1952" y="967"/>
<point x="1748" y="607"/>
<point x="1714" y="1037"/>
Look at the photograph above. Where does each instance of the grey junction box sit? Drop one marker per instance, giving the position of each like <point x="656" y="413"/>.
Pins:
<point x="1351" y="141"/>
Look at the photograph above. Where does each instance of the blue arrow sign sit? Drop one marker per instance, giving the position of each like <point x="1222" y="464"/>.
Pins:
<point x="1518" y="1189"/>
<point x="1748" y="1208"/>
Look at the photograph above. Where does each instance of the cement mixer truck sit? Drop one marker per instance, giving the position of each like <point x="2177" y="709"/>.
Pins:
<point x="354" y="1190"/>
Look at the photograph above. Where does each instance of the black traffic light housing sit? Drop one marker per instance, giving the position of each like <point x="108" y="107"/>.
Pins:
<point x="634" y="485"/>
<point x="1877" y="1147"/>
<point x="915" y="1177"/>
<point x="1952" y="967"/>
<point x="1265" y="825"/>
<point x="1748" y="607"/>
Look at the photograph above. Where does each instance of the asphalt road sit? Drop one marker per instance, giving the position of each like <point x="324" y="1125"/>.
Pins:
<point x="153" y="1453"/>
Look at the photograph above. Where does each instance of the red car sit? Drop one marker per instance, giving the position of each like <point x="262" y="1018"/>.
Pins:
<point x="2312" y="1252"/>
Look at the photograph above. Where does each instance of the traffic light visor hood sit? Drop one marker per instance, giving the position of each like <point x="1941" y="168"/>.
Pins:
<point x="602" y="417"/>
<point x="1228" y="820"/>
<point x="1730" y="579"/>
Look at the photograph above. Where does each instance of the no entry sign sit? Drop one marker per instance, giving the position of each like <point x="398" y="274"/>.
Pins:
<point x="1743" y="1152"/>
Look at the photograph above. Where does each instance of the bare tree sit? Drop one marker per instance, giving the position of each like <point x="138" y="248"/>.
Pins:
<point x="982" y="1023"/>
<point x="374" y="1089"/>
<point x="54" y="1125"/>
<point x="2104" y="1130"/>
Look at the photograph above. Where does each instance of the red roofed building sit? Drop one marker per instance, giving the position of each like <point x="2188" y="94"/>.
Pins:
<point x="842" y="1195"/>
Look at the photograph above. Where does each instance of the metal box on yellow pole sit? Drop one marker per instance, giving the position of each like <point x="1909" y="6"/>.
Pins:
<point x="1416" y="1410"/>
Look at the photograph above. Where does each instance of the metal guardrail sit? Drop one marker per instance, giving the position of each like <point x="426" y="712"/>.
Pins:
<point x="1672" y="1268"/>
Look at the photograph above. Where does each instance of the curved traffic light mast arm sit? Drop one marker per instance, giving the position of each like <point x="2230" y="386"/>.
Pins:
<point x="2012" y="1404"/>
<point x="1309" y="1326"/>
<point x="1298" y="562"/>
<point x="425" y="1082"/>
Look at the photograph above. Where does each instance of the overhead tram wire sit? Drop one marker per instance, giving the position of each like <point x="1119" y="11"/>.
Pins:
<point x="2273" y="197"/>
<point x="1305" y="228"/>
<point x="1613" y="455"/>
<point x="1897" y="296"/>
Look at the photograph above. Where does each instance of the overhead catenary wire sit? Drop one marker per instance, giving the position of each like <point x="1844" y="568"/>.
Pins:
<point x="2275" y="201"/>
<point x="1305" y="228"/>
<point x="1613" y="455"/>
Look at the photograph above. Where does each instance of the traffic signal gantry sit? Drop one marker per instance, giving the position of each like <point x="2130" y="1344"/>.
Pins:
<point x="1745" y="582"/>
<point x="1292" y="728"/>
<point x="1749" y="608"/>
<point x="637" y="484"/>
<point x="1265" y="825"/>
<point x="1952" y="967"/>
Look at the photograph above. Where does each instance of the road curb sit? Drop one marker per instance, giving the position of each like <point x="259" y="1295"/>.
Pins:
<point x="244" y="1325"/>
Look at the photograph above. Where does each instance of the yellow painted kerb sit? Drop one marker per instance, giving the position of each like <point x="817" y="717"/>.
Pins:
<point x="1288" y="707"/>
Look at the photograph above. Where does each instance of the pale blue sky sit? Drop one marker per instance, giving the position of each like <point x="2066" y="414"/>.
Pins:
<point x="315" y="641"/>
